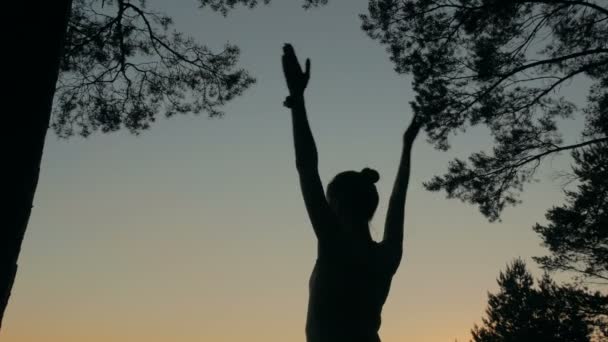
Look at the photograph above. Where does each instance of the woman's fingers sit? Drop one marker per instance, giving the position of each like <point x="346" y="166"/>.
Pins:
<point x="287" y="48"/>
<point x="295" y="77"/>
<point x="307" y="75"/>
<point x="291" y="59"/>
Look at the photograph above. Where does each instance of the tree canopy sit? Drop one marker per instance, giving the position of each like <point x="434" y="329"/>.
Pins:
<point x="577" y="232"/>
<point x="500" y="64"/>
<point x="224" y="6"/>
<point x="504" y="64"/>
<point x="124" y="64"/>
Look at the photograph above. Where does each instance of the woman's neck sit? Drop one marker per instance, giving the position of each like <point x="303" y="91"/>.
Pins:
<point x="360" y="230"/>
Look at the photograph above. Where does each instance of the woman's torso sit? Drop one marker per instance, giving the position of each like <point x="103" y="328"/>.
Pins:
<point x="348" y="287"/>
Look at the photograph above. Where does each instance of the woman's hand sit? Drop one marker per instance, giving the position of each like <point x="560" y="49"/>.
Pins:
<point x="295" y="78"/>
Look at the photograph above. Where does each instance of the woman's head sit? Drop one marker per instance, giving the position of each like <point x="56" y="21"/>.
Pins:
<point x="353" y="194"/>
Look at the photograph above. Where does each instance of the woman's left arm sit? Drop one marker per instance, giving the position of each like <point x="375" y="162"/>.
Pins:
<point x="394" y="225"/>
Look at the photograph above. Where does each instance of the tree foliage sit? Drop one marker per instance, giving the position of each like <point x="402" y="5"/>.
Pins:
<point x="224" y="6"/>
<point x="123" y="64"/>
<point x="520" y="311"/>
<point x="577" y="232"/>
<point x="500" y="64"/>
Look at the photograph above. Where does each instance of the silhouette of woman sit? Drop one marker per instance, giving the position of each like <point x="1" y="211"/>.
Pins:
<point x="352" y="275"/>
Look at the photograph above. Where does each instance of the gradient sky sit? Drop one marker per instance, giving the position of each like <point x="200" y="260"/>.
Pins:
<point x="196" y="230"/>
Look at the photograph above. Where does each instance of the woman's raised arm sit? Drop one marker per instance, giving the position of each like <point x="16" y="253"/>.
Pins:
<point x="319" y="212"/>
<point x="393" y="228"/>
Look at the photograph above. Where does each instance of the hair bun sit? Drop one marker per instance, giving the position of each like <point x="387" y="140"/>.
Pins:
<point x="372" y="175"/>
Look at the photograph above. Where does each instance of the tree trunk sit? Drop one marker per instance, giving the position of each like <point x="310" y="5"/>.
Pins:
<point x="34" y="49"/>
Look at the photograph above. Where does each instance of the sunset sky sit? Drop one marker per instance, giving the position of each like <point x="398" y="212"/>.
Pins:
<point x="196" y="230"/>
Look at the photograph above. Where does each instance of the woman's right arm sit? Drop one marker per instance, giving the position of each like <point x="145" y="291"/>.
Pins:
<point x="319" y="212"/>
